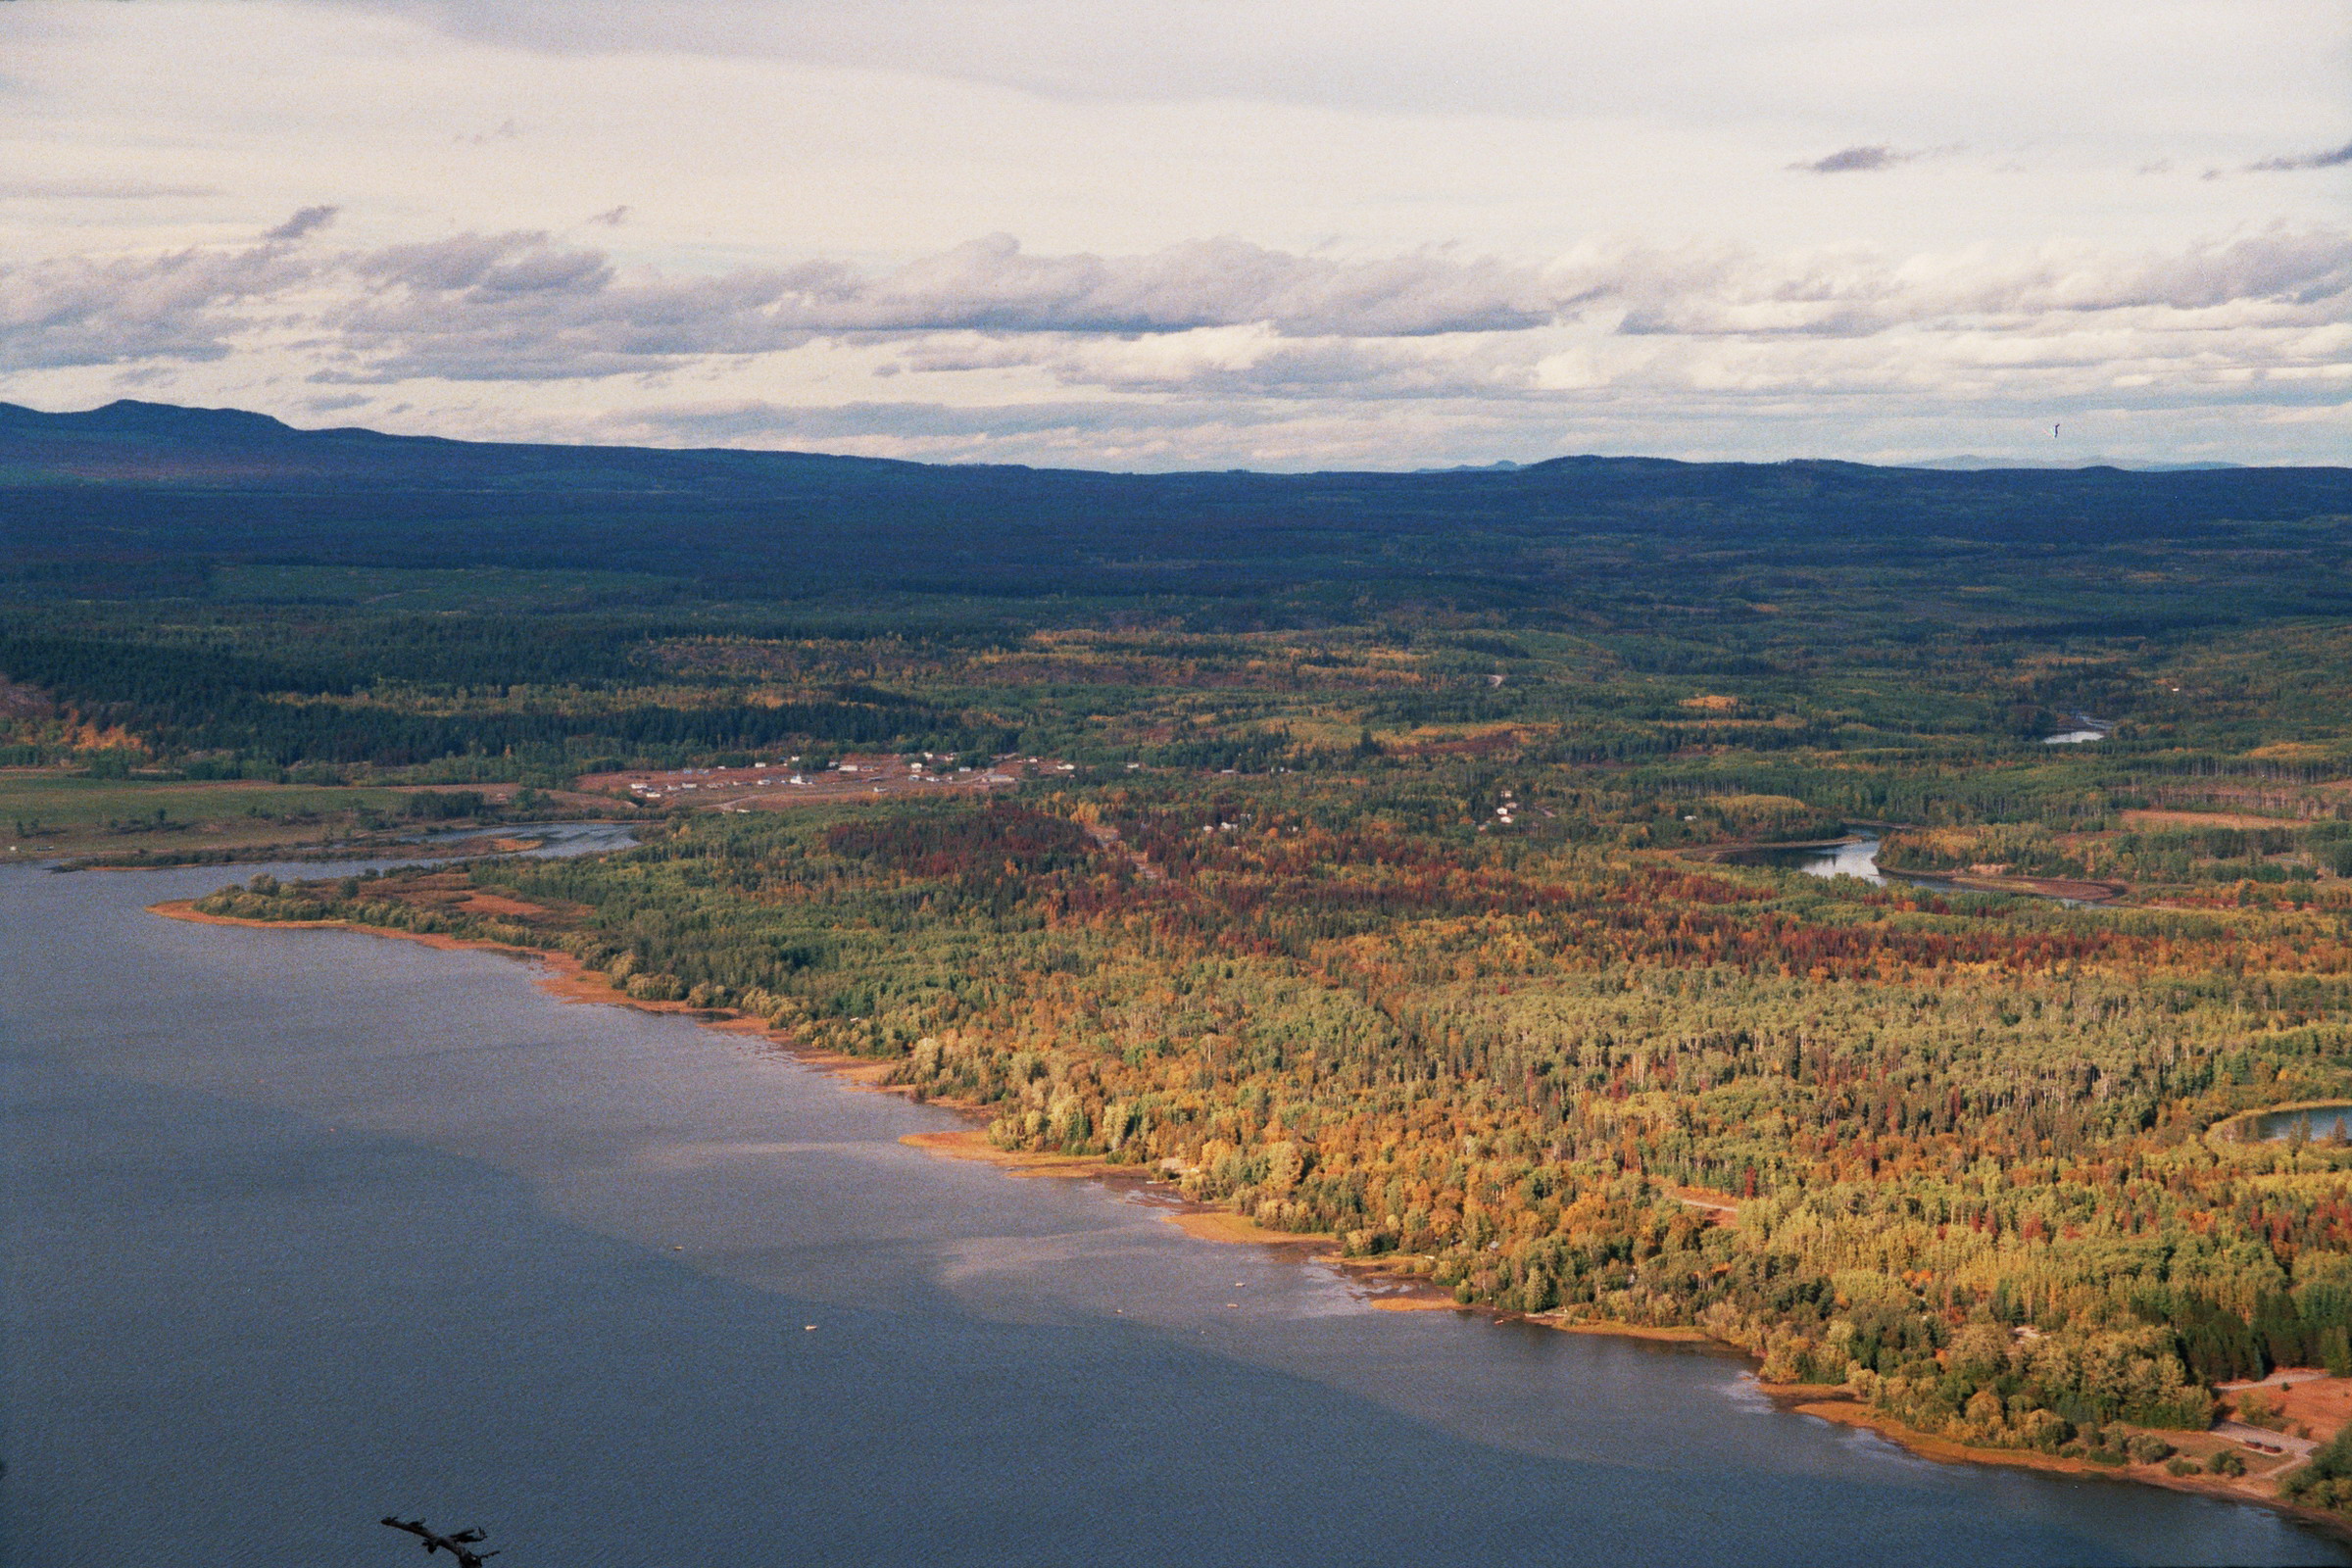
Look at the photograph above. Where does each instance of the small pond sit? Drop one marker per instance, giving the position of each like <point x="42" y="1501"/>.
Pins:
<point x="1857" y="858"/>
<point x="2316" y="1123"/>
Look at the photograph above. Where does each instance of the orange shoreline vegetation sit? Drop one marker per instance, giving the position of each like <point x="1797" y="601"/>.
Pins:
<point x="2041" y="887"/>
<point x="1415" y="1303"/>
<point x="1224" y="1225"/>
<point x="2258" y="1485"/>
<point x="970" y="1143"/>
<point x="569" y="981"/>
<point x="2046" y="887"/>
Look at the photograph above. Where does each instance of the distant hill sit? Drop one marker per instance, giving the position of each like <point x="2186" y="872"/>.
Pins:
<point x="1970" y="462"/>
<point x="146" y="491"/>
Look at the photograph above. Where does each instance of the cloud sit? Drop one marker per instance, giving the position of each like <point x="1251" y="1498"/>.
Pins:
<point x="1220" y="324"/>
<point x="2286" y="277"/>
<point x="189" y="305"/>
<point x="765" y="421"/>
<point x="612" y="217"/>
<point x="518" y="305"/>
<point x="308" y="221"/>
<point x="184" y="305"/>
<point x="2335" y="158"/>
<point x="1855" y="159"/>
<point x="1992" y="62"/>
<point x="1760" y="402"/>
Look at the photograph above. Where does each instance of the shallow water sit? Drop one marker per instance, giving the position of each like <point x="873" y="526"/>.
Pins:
<point x="2320" y="1122"/>
<point x="1860" y="858"/>
<point x="1857" y="858"/>
<point x="308" y="1226"/>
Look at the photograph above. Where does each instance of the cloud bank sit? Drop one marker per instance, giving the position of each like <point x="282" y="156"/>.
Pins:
<point x="2333" y="158"/>
<point x="1203" y="349"/>
<point x="523" y="306"/>
<point x="1335" y="230"/>
<point x="1855" y="161"/>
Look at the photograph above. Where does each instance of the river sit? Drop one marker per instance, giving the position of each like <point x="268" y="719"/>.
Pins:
<point x="304" y="1228"/>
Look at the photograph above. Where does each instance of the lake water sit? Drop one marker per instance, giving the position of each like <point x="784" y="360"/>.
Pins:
<point x="1859" y="858"/>
<point x="2326" y="1121"/>
<point x="1856" y="857"/>
<point x="308" y="1226"/>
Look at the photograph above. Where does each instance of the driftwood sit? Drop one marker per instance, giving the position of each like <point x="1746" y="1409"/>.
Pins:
<point x="458" y="1546"/>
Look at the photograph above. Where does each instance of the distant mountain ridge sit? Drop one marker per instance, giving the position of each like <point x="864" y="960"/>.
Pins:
<point x="126" y="438"/>
<point x="1970" y="462"/>
<point x="153" y="488"/>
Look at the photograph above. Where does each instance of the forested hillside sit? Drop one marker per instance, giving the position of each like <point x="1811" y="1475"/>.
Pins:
<point x="1539" y="1070"/>
<point x="1399" y="885"/>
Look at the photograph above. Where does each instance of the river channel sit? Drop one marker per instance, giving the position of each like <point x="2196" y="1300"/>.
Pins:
<point x="305" y="1228"/>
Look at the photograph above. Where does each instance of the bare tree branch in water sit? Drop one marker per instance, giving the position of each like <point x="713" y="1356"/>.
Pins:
<point x="458" y="1546"/>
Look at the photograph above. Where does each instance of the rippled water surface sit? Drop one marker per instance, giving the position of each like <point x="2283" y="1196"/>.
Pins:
<point x="307" y="1227"/>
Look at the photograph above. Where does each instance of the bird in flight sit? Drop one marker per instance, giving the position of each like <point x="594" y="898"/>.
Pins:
<point x="458" y="1546"/>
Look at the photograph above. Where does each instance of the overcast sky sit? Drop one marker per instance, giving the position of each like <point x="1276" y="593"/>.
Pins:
<point x="1170" y="233"/>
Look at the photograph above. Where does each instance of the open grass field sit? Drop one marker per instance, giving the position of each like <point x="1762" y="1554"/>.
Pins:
<point x="47" y="812"/>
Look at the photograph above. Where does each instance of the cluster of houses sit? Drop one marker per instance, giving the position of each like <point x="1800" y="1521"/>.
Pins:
<point x="876" y="770"/>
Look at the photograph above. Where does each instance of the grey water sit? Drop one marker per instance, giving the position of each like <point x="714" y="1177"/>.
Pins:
<point x="303" y="1228"/>
<point x="1859" y="858"/>
<point x="2312" y="1125"/>
<point x="2084" y="730"/>
<point x="556" y="839"/>
<point x="1856" y="857"/>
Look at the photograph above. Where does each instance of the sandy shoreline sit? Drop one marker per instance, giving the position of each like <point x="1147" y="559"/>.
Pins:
<point x="1832" y="1404"/>
<point x="570" y="981"/>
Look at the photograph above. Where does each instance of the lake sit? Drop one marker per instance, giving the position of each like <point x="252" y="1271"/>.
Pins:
<point x="2313" y="1124"/>
<point x="1856" y="857"/>
<point x="304" y="1228"/>
<point x="1859" y="858"/>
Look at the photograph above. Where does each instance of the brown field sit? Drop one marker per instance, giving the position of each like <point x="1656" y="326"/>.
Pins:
<point x="493" y="903"/>
<point x="2311" y="1403"/>
<point x="46" y="811"/>
<point x="2164" y="820"/>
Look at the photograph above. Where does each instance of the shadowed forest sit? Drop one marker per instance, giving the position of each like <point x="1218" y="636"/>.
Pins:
<point x="1400" y="885"/>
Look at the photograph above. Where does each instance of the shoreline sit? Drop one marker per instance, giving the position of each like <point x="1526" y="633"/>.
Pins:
<point x="568" y="982"/>
<point x="489" y="841"/>
<point x="2229" y="1130"/>
<point x="2082" y="891"/>
<point x="1831" y="1404"/>
<point x="1721" y="854"/>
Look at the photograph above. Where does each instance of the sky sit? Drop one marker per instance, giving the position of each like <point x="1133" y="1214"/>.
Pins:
<point x="1148" y="234"/>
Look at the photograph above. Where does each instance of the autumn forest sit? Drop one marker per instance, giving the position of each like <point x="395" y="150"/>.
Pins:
<point x="1425" y="887"/>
